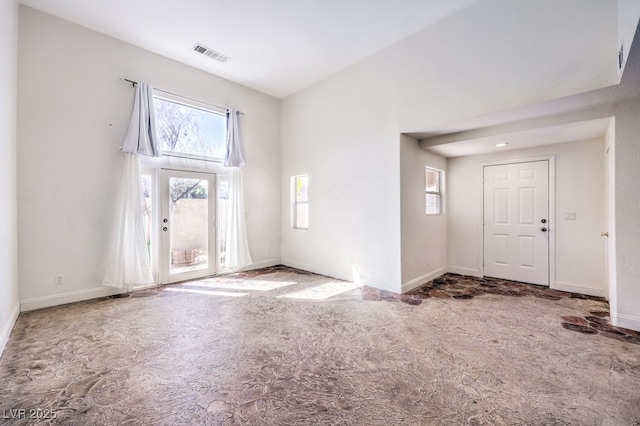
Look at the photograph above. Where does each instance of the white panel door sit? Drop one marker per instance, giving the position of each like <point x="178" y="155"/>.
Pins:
<point x="516" y="222"/>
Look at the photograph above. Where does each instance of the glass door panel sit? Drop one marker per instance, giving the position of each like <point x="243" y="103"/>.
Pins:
<point x="187" y="225"/>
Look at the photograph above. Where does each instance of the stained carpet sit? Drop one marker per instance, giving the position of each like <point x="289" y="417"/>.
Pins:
<point x="278" y="346"/>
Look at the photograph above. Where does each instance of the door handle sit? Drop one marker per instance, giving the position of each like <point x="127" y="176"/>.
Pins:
<point x="164" y="228"/>
<point x="544" y="221"/>
<point x="604" y="234"/>
<point x="544" y="229"/>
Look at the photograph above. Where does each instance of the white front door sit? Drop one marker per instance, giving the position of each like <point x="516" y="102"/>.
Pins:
<point x="516" y="222"/>
<point x="187" y="225"/>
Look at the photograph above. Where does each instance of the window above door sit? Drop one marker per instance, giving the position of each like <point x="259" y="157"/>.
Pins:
<point x="191" y="130"/>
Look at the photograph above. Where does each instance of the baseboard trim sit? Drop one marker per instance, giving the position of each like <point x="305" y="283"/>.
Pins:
<point x="94" y="293"/>
<point x="64" y="298"/>
<point x="460" y="270"/>
<point x="625" y="321"/>
<point x="579" y="288"/>
<point x="8" y="327"/>
<point x="343" y="275"/>
<point x="334" y="273"/>
<point x="417" y="282"/>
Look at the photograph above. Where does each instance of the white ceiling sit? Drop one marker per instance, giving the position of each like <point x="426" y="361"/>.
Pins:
<point x="584" y="130"/>
<point x="277" y="47"/>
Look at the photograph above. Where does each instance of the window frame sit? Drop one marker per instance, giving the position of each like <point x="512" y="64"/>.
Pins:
<point x="190" y="103"/>
<point x="295" y="203"/>
<point x="438" y="192"/>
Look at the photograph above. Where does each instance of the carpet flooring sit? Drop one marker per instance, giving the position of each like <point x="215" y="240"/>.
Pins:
<point x="279" y="346"/>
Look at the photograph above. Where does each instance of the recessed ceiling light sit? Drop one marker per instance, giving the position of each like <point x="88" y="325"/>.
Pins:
<point x="502" y="144"/>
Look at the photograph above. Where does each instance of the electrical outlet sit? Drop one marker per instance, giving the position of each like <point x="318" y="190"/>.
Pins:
<point x="57" y="280"/>
<point x="570" y="216"/>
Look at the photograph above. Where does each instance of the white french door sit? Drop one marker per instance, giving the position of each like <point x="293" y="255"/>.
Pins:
<point x="187" y="225"/>
<point x="516" y="221"/>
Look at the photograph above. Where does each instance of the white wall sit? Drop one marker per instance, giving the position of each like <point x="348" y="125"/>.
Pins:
<point x="8" y="237"/>
<point x="353" y="168"/>
<point x="501" y="54"/>
<point x="424" y="238"/>
<point x="626" y="309"/>
<point x="580" y="187"/>
<point x="344" y="130"/>
<point x="610" y="213"/>
<point x="628" y="16"/>
<point x="73" y="113"/>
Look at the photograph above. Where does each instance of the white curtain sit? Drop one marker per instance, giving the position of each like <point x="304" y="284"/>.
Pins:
<point x="129" y="264"/>
<point x="141" y="137"/>
<point x="237" y="246"/>
<point x="234" y="156"/>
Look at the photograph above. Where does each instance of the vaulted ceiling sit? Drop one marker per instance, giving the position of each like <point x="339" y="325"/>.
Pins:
<point x="277" y="47"/>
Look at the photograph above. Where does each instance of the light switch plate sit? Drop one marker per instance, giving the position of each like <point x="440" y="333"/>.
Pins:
<point x="570" y="216"/>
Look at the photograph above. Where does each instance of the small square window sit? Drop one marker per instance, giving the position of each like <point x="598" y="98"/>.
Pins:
<point x="433" y="191"/>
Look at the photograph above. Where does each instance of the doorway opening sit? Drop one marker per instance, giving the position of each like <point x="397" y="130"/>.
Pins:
<point x="192" y="206"/>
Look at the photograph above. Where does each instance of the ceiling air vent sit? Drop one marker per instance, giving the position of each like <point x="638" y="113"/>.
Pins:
<point x="211" y="53"/>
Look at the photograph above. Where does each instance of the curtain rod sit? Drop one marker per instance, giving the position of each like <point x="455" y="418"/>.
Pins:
<point x="133" y="83"/>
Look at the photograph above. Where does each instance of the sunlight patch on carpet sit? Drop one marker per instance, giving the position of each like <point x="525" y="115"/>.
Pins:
<point x="206" y="292"/>
<point x="253" y="285"/>
<point x="323" y="291"/>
